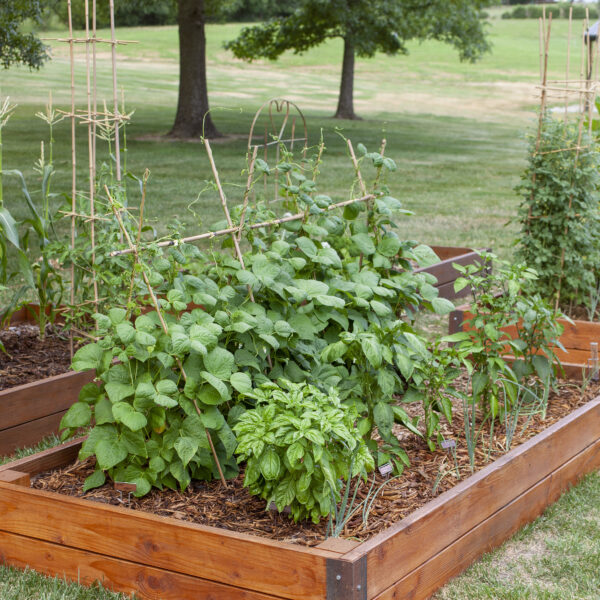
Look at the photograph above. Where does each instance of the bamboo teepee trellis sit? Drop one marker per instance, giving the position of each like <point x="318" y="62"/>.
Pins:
<point x="584" y="89"/>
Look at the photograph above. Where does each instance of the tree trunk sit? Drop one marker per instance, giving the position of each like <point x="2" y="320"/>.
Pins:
<point x="345" y="109"/>
<point x="192" y="118"/>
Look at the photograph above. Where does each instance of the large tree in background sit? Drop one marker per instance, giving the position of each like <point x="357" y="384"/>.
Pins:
<point x="367" y="27"/>
<point x="193" y="117"/>
<point x="17" y="47"/>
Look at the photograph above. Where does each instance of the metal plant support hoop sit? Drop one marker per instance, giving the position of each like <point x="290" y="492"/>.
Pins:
<point x="276" y="134"/>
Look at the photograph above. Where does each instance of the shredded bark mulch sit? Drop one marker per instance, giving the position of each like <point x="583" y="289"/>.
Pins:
<point x="233" y="508"/>
<point x="30" y="358"/>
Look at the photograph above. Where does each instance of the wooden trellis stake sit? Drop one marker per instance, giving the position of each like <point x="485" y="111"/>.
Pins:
<point x="234" y="238"/>
<point x="156" y="304"/>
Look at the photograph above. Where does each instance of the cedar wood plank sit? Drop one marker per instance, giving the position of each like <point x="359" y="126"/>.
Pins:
<point x="16" y="477"/>
<point x="42" y="398"/>
<point x="443" y="271"/>
<point x="237" y="559"/>
<point x="399" y="550"/>
<point x="29" y="434"/>
<point x="115" y="574"/>
<point x="435" y="572"/>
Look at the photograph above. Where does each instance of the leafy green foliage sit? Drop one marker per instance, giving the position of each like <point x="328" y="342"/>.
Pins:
<point x="432" y="385"/>
<point x="17" y="47"/>
<point x="372" y="26"/>
<point x="150" y="425"/>
<point x="367" y="27"/>
<point x="333" y="299"/>
<point x="559" y="217"/>
<point x="128" y="13"/>
<point x="508" y="317"/>
<point x="297" y="443"/>
<point x="42" y="277"/>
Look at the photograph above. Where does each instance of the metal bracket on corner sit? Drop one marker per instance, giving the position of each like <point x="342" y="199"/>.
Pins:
<point x="347" y="580"/>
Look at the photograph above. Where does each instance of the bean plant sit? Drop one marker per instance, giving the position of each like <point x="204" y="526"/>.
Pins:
<point x="327" y="301"/>
<point x="558" y="214"/>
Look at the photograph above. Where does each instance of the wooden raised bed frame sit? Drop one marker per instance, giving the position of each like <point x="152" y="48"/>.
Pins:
<point x="33" y="411"/>
<point x="577" y="338"/>
<point x="444" y="271"/>
<point x="163" y="558"/>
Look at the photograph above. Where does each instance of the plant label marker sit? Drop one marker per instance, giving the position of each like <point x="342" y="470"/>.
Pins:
<point x="124" y="486"/>
<point x="386" y="469"/>
<point x="593" y="361"/>
<point x="448" y="444"/>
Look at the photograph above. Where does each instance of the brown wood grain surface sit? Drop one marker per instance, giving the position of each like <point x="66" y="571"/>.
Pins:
<point x="435" y="572"/>
<point x="16" y="477"/>
<point x="443" y="271"/>
<point x="404" y="546"/>
<point x="28" y="434"/>
<point x="42" y="398"/>
<point x="241" y="560"/>
<point x="115" y="574"/>
<point x="48" y="459"/>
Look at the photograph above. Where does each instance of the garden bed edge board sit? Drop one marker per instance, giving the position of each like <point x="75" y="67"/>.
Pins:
<point x="168" y="558"/>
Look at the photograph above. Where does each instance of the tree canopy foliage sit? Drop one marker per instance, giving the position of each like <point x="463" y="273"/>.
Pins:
<point x="17" y="47"/>
<point x="367" y="27"/>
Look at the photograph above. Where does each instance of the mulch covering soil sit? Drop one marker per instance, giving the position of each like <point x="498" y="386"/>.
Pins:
<point x="29" y="358"/>
<point x="430" y="474"/>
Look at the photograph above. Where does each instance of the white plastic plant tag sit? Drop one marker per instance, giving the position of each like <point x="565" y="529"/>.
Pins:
<point x="386" y="469"/>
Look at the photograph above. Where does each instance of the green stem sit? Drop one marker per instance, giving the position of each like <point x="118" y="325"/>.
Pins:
<point x="1" y="202"/>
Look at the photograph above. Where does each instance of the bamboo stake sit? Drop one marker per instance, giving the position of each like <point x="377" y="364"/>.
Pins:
<point x="86" y="39"/>
<point x="361" y="183"/>
<point x="247" y="191"/>
<point x="579" y="135"/>
<point x="139" y="234"/>
<point x="229" y="230"/>
<point x="234" y="238"/>
<point x="94" y="86"/>
<point x="73" y="165"/>
<point x="568" y="60"/>
<point x="134" y="249"/>
<point x="115" y="89"/>
<point x="318" y="161"/>
<point x="582" y="71"/>
<point x="379" y="171"/>
<point x="92" y="185"/>
<point x="363" y="188"/>
<point x="544" y="65"/>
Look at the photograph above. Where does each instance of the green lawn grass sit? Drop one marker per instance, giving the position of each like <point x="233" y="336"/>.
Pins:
<point x="457" y="133"/>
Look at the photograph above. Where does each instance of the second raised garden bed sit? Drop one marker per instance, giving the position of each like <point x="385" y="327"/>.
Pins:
<point x="164" y="558"/>
<point x="444" y="271"/>
<point x="580" y="340"/>
<point x="32" y="411"/>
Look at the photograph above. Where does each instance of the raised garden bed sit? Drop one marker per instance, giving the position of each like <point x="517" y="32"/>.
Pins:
<point x="162" y="557"/>
<point x="31" y="411"/>
<point x="445" y="273"/>
<point x="577" y="339"/>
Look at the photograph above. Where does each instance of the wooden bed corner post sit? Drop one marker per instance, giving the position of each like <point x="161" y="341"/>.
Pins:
<point x="456" y="320"/>
<point x="347" y="580"/>
<point x="16" y="477"/>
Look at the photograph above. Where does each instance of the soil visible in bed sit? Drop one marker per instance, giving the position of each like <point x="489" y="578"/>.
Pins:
<point x="29" y="358"/>
<point x="233" y="508"/>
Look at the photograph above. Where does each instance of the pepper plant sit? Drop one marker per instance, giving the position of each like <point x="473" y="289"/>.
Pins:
<point x="508" y="316"/>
